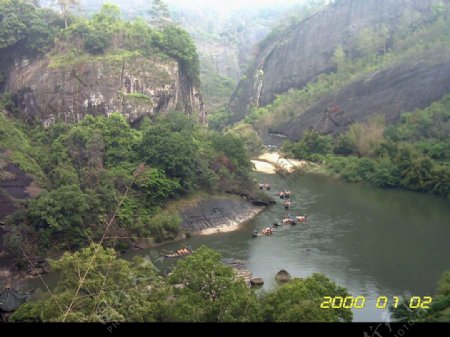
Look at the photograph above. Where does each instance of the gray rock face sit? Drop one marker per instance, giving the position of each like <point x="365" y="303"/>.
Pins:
<point x="256" y="281"/>
<point x="217" y="213"/>
<point x="305" y="51"/>
<point x="52" y="89"/>
<point x="283" y="276"/>
<point x="387" y="93"/>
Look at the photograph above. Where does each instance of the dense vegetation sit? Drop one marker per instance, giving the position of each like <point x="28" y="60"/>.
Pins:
<point x="199" y="289"/>
<point x="439" y="310"/>
<point x="89" y="167"/>
<point x="412" y="154"/>
<point x="377" y="48"/>
<point x="38" y="30"/>
<point x="97" y="286"/>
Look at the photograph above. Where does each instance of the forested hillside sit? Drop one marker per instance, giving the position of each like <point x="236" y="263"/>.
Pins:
<point x="383" y="95"/>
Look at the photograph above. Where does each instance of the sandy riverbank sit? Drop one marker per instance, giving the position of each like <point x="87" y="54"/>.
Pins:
<point x="270" y="162"/>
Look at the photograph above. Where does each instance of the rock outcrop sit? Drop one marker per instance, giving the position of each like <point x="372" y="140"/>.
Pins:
<point x="305" y="51"/>
<point x="217" y="215"/>
<point x="57" y="88"/>
<point x="387" y="93"/>
<point x="256" y="282"/>
<point x="283" y="276"/>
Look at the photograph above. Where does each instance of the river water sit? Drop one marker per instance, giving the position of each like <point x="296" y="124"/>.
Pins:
<point x="375" y="242"/>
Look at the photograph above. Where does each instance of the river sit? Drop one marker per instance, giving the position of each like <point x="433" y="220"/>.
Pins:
<point x="375" y="242"/>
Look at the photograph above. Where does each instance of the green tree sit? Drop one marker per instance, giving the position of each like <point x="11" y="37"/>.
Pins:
<point x="339" y="58"/>
<point x="372" y="41"/>
<point x="159" y="14"/>
<point x="299" y="301"/>
<point x="99" y="287"/>
<point x="439" y="310"/>
<point x="156" y="186"/>
<point x="177" y="43"/>
<point x="22" y="23"/>
<point x="173" y="152"/>
<point x="210" y="291"/>
<point x="60" y="214"/>
<point x="233" y="148"/>
<point x="66" y="7"/>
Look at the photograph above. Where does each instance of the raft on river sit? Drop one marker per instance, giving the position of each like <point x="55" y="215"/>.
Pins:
<point x="266" y="231"/>
<point x="179" y="253"/>
<point x="295" y="220"/>
<point x="284" y="194"/>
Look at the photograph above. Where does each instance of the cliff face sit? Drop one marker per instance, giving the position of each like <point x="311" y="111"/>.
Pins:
<point x="55" y="88"/>
<point x="305" y="51"/>
<point x="387" y="93"/>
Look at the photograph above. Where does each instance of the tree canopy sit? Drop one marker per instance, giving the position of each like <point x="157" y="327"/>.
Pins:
<point x="96" y="286"/>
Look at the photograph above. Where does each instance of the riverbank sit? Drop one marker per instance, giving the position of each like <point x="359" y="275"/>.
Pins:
<point x="201" y="213"/>
<point x="275" y="162"/>
<point x="207" y="214"/>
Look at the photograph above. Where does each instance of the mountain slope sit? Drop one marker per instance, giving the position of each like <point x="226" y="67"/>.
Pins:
<point x="306" y="52"/>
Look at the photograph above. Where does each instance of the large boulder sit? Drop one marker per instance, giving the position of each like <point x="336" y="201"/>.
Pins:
<point x="283" y="276"/>
<point x="256" y="281"/>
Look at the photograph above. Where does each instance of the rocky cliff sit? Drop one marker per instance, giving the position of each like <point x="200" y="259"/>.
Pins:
<point x="217" y="215"/>
<point x="304" y="51"/>
<point x="59" y="87"/>
<point x="387" y="93"/>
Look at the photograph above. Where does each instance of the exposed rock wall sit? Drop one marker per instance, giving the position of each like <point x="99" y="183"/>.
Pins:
<point x="217" y="215"/>
<point x="54" y="89"/>
<point x="303" y="52"/>
<point x="387" y="93"/>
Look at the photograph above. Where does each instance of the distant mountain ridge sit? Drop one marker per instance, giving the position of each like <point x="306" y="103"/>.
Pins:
<point x="305" y="51"/>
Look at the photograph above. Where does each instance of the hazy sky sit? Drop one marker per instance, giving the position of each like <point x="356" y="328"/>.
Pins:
<point x="227" y="5"/>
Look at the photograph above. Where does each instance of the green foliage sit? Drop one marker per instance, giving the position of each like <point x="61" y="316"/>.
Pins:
<point x="156" y="186"/>
<point x="96" y="42"/>
<point x="248" y="136"/>
<point x="411" y="154"/>
<point x="105" y="33"/>
<point x="173" y="152"/>
<point x="96" y="286"/>
<point x="232" y="161"/>
<point x="372" y="41"/>
<point x="299" y="301"/>
<point x="165" y="226"/>
<point x="159" y="14"/>
<point x="362" y="139"/>
<point x="293" y="103"/>
<point x="219" y="119"/>
<point x="339" y="58"/>
<point x="439" y="310"/>
<point x="428" y="127"/>
<point x="88" y="166"/>
<point x="23" y="24"/>
<point x="311" y="145"/>
<point x="211" y="292"/>
<point x="177" y="43"/>
<point x="61" y="213"/>
<point x="216" y="89"/>
<point x="20" y="149"/>
<point x="113" y="290"/>
<point x="378" y="48"/>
